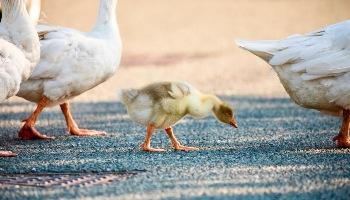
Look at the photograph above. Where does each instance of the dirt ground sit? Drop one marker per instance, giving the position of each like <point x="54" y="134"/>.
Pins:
<point x="194" y="40"/>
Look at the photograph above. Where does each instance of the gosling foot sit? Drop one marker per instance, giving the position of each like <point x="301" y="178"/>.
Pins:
<point x="180" y="147"/>
<point x="147" y="148"/>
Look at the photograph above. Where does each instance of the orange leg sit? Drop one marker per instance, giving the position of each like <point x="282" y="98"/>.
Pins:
<point x="73" y="127"/>
<point x="7" y="154"/>
<point x="28" y="131"/>
<point x="146" y="145"/>
<point x="343" y="139"/>
<point x="176" y="144"/>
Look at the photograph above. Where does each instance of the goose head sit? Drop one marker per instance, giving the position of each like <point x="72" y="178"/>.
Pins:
<point x="225" y="114"/>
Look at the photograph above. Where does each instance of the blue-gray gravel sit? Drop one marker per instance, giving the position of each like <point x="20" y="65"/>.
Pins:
<point x="280" y="151"/>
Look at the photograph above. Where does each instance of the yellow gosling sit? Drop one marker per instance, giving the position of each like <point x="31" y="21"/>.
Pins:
<point x="161" y="105"/>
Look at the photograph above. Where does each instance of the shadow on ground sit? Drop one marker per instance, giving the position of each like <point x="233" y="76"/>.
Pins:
<point x="279" y="151"/>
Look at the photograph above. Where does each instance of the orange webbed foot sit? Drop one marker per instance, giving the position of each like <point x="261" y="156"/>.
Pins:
<point x="342" y="142"/>
<point x="147" y="148"/>
<point x="7" y="154"/>
<point x="86" y="132"/>
<point x="180" y="147"/>
<point x="28" y="132"/>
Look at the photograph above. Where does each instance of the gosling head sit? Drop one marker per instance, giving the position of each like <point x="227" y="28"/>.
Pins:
<point x="225" y="114"/>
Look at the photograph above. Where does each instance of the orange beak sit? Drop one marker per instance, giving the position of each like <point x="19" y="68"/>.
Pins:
<point x="234" y="123"/>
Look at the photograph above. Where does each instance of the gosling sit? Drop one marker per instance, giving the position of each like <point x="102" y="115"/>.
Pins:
<point x="161" y="105"/>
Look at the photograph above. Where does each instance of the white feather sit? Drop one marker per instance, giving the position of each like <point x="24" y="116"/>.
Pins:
<point x="314" y="68"/>
<point x="19" y="47"/>
<point x="73" y="62"/>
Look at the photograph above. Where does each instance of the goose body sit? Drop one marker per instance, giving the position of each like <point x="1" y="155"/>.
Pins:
<point x="313" y="68"/>
<point x="161" y="105"/>
<point x="72" y="62"/>
<point x="19" y="49"/>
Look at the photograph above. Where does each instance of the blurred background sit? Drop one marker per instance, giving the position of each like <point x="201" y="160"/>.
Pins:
<point x="193" y="40"/>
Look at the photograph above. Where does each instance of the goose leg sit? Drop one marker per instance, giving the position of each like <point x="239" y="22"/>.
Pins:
<point x="7" y="154"/>
<point x="28" y="131"/>
<point x="72" y="125"/>
<point x="176" y="144"/>
<point x="146" y="145"/>
<point x="343" y="139"/>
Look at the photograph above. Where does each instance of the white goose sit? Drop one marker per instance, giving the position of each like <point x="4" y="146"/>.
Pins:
<point x="19" y="49"/>
<point x="33" y="8"/>
<point x="71" y="63"/>
<point x="314" y="69"/>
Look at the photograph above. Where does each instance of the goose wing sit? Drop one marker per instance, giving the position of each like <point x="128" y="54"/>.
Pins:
<point x="323" y="53"/>
<point x="57" y="44"/>
<point x="13" y="66"/>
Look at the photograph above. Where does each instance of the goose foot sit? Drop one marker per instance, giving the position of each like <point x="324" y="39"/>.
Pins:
<point x="28" y="132"/>
<point x="86" y="132"/>
<point x="343" y="138"/>
<point x="342" y="142"/>
<point x="72" y="125"/>
<point x="7" y="154"/>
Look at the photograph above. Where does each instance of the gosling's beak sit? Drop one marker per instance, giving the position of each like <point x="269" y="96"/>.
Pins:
<point x="234" y="123"/>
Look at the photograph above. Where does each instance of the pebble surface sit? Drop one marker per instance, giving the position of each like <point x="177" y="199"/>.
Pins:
<point x="280" y="151"/>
